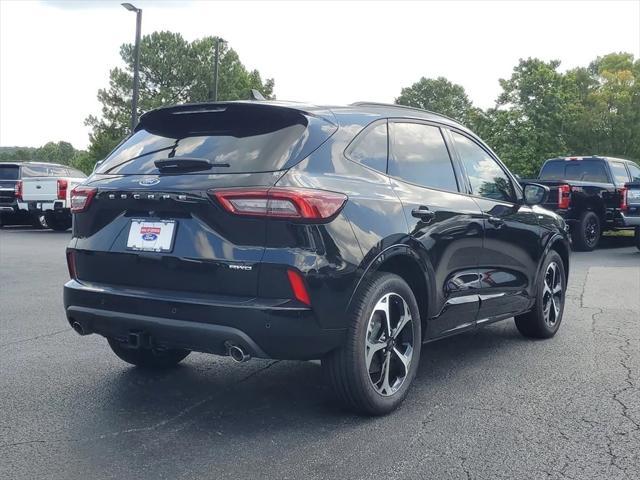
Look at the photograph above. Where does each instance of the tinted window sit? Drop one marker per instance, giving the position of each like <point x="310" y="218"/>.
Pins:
<point x="9" y="172"/>
<point x="237" y="137"/>
<point x="580" y="170"/>
<point x="635" y="172"/>
<point x="419" y="155"/>
<point x="370" y="148"/>
<point x="487" y="178"/>
<point x="619" y="172"/>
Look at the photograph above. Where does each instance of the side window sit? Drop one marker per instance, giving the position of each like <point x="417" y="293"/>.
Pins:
<point x="58" y="172"/>
<point x="635" y="172"/>
<point x="419" y="155"/>
<point x="619" y="171"/>
<point x="487" y="178"/>
<point x="371" y="148"/>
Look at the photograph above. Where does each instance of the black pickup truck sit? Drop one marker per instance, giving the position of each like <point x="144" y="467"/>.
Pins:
<point x="593" y="194"/>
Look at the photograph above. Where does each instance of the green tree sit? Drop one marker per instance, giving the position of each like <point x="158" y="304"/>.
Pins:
<point x="438" y="95"/>
<point x="172" y="70"/>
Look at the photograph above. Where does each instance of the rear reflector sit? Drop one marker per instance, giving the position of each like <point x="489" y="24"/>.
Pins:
<point x="62" y="189"/>
<point x="17" y="190"/>
<point x="564" y="196"/>
<point x="71" y="263"/>
<point x="81" y="198"/>
<point x="298" y="287"/>
<point x="281" y="202"/>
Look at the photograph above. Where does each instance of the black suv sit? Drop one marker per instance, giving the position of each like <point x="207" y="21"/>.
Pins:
<point x="278" y="230"/>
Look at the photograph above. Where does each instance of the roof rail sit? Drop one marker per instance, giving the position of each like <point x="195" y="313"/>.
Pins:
<point x="406" y="107"/>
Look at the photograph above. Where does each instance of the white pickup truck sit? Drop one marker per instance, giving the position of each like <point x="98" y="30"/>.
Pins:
<point x="45" y="191"/>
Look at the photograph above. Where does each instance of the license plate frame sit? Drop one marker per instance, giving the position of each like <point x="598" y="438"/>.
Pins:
<point x="151" y="235"/>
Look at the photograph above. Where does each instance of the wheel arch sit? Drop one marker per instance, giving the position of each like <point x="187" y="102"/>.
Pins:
<point x="559" y="244"/>
<point x="405" y="262"/>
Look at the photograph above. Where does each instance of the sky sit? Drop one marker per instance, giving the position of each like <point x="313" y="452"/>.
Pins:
<point x="56" y="54"/>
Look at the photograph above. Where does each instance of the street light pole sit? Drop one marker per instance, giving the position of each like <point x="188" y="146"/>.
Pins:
<point x="216" y="61"/>
<point x="136" y="64"/>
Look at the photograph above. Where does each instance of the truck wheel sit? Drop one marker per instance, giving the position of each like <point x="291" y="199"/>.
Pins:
<point x="586" y="232"/>
<point x="544" y="319"/>
<point x="638" y="238"/>
<point x="38" y="221"/>
<point x="148" y="357"/>
<point x="58" y="223"/>
<point x="372" y="372"/>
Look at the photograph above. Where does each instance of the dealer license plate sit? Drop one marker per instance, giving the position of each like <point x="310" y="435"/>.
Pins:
<point x="151" y="236"/>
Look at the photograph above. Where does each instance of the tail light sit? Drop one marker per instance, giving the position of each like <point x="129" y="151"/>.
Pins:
<point x="81" y="198"/>
<point x="281" y="202"/>
<point x="564" y="196"/>
<point x="71" y="264"/>
<point x="62" y="188"/>
<point x="17" y="190"/>
<point x="624" y="199"/>
<point x="298" y="287"/>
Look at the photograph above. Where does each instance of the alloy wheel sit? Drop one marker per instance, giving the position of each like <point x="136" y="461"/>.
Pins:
<point x="591" y="232"/>
<point x="389" y="344"/>
<point x="552" y="294"/>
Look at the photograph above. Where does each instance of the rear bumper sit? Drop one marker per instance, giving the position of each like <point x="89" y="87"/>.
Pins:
<point x="630" y="221"/>
<point x="265" y="329"/>
<point x="46" y="206"/>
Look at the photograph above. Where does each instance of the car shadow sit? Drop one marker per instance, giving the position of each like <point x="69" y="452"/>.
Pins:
<point x="219" y="394"/>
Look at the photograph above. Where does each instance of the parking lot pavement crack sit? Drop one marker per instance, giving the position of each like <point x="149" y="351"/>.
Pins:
<point x="24" y="340"/>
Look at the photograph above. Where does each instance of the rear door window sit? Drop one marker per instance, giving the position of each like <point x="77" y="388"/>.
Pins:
<point x="418" y="154"/>
<point x="236" y="138"/>
<point x="9" y="172"/>
<point x="371" y="148"/>
<point x="619" y="172"/>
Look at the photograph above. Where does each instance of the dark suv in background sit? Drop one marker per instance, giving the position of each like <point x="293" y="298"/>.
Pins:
<point x="349" y="234"/>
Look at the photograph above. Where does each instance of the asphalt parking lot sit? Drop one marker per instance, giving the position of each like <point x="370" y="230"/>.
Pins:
<point x="485" y="405"/>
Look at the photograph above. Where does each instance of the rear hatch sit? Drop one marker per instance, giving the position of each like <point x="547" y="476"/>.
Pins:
<point x="9" y="175"/>
<point x="154" y="223"/>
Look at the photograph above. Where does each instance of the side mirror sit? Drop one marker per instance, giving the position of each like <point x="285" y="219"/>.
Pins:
<point x="535" y="194"/>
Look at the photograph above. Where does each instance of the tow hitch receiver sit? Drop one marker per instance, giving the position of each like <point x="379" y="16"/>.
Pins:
<point x="138" y="340"/>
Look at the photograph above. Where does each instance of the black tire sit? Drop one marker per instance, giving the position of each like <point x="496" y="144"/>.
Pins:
<point x="637" y="237"/>
<point x="536" y="323"/>
<point x="147" y="357"/>
<point x="58" y="223"/>
<point x="351" y="369"/>
<point x="586" y="232"/>
<point x="38" y="221"/>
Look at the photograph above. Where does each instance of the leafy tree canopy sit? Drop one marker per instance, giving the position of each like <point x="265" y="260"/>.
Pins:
<point x="172" y="70"/>
<point x="438" y="95"/>
<point x="543" y="112"/>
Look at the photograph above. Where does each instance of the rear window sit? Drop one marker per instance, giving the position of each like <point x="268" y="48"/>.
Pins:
<point x="43" y="171"/>
<point x="238" y="138"/>
<point x="9" y="172"/>
<point x="635" y="172"/>
<point x="579" y="170"/>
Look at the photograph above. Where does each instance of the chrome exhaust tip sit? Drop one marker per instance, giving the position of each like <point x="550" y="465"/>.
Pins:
<point x="236" y="353"/>
<point x="79" y="329"/>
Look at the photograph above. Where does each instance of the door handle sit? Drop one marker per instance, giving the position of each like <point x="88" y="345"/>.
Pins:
<point x="496" y="222"/>
<point x="423" y="213"/>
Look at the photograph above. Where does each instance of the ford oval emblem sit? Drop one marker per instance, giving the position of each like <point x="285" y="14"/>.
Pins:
<point x="149" y="181"/>
<point x="149" y="237"/>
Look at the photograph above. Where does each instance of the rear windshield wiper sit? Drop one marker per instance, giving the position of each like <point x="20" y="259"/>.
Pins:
<point x="186" y="164"/>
